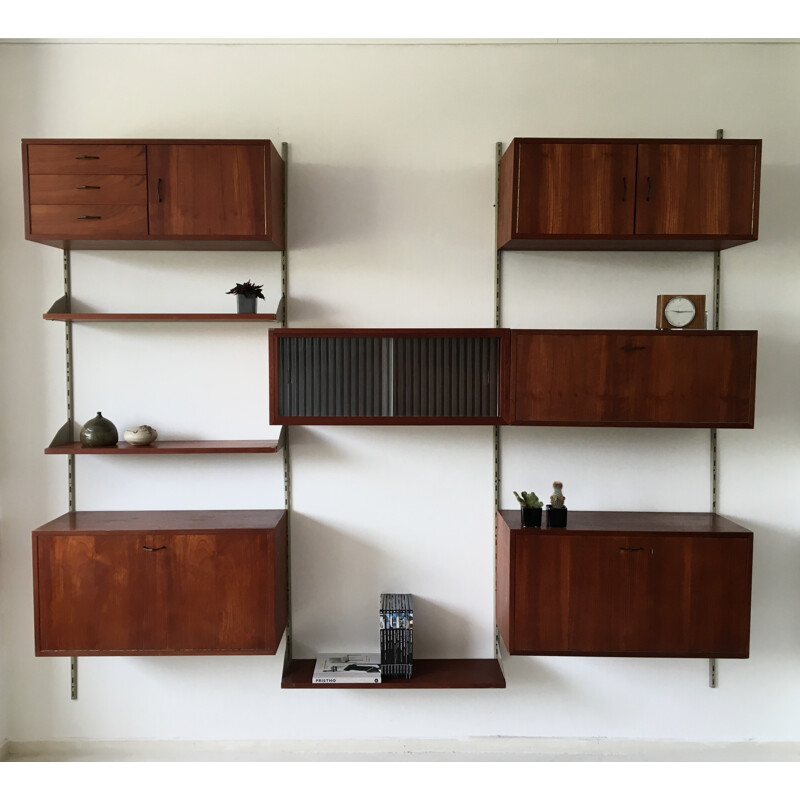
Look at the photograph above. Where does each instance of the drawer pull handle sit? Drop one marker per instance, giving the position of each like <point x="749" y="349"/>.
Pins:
<point x="624" y="189"/>
<point x="633" y="347"/>
<point x="630" y="549"/>
<point x="88" y="216"/>
<point x="153" y="549"/>
<point x="158" y="190"/>
<point x="86" y="186"/>
<point x="79" y="158"/>
<point x="649" y="186"/>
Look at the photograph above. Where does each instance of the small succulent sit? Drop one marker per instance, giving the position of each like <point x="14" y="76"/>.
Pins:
<point x="247" y="289"/>
<point x="529" y="500"/>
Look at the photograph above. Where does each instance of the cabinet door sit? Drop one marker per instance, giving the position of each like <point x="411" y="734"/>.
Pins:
<point x="206" y="190"/>
<point x="93" y="593"/>
<point x="218" y="591"/>
<point x="578" y="594"/>
<point x="580" y="189"/>
<point x="707" y="189"/>
<point x="700" y="588"/>
<point x="677" y="379"/>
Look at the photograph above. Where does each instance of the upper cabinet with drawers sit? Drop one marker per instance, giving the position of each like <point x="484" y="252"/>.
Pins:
<point x="628" y="194"/>
<point x="153" y="194"/>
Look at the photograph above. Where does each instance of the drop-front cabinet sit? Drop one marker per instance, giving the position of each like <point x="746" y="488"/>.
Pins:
<point x="679" y="379"/>
<point x="160" y="583"/>
<point x="625" y="584"/>
<point x="628" y="194"/>
<point x="154" y="194"/>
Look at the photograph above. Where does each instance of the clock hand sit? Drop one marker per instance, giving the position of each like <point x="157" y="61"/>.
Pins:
<point x="681" y="310"/>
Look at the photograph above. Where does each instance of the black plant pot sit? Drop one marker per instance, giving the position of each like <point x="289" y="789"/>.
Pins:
<point x="556" y="517"/>
<point x="531" y="517"/>
<point x="246" y="305"/>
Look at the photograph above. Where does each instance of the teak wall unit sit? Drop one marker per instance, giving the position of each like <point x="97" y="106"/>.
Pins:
<point x="154" y="194"/>
<point x="625" y="584"/>
<point x="628" y="194"/>
<point x="157" y="582"/>
<point x="463" y="377"/>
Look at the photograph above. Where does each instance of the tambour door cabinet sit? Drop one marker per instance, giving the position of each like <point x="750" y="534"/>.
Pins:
<point x="628" y="194"/>
<point x="160" y="583"/>
<point x="382" y="376"/>
<point x="625" y="584"/>
<point x="632" y="378"/>
<point x="154" y="194"/>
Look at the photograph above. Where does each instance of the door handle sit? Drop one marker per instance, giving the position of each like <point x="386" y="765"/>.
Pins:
<point x="649" y="186"/>
<point x="158" y="190"/>
<point x="624" y="189"/>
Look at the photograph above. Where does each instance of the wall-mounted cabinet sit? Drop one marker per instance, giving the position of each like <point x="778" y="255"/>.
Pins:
<point x="680" y="379"/>
<point x="160" y="583"/>
<point x="628" y="194"/>
<point x="625" y="584"/>
<point x="154" y="194"/>
<point x="387" y="376"/>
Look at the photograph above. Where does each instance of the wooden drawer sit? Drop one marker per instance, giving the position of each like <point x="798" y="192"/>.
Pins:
<point x="87" y="159"/>
<point x="87" y="221"/>
<point x="82" y="189"/>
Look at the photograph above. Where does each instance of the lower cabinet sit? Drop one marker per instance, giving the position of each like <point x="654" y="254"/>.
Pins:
<point x="160" y="583"/>
<point x="625" y="584"/>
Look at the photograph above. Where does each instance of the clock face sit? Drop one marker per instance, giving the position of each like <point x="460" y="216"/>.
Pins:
<point x="679" y="312"/>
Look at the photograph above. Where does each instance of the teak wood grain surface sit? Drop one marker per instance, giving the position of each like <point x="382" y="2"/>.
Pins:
<point x="160" y="583"/>
<point x="628" y="194"/>
<point x="625" y="583"/>
<point x="154" y="194"/>
<point x="633" y="378"/>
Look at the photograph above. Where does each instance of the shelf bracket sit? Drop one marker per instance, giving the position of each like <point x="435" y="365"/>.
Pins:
<point x="61" y="306"/>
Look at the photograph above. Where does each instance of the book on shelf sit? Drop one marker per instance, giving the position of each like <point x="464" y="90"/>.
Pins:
<point x="396" y="624"/>
<point x="347" y="668"/>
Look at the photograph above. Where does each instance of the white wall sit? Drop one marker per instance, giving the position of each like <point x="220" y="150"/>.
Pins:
<point x="391" y="224"/>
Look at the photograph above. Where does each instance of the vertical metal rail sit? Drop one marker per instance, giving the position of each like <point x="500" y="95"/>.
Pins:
<point x="712" y="662"/>
<point x="498" y="152"/>
<point x="73" y="661"/>
<point x="287" y="461"/>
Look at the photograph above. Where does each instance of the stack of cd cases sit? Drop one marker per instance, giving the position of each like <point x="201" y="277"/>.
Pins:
<point x="397" y="629"/>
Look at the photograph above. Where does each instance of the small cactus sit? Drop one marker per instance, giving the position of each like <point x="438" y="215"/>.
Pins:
<point x="529" y="500"/>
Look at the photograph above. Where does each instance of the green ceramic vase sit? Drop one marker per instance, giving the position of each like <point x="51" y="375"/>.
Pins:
<point x="99" y="432"/>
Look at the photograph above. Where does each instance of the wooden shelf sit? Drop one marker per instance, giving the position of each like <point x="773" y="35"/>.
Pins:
<point x="198" y="447"/>
<point x="60" y="312"/>
<point x="437" y="673"/>
<point x="79" y="317"/>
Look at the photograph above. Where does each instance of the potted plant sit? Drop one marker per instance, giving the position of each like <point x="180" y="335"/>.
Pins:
<point x="247" y="295"/>
<point x="531" y="507"/>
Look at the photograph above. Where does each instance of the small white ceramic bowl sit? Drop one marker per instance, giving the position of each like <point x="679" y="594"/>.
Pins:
<point x="141" y="435"/>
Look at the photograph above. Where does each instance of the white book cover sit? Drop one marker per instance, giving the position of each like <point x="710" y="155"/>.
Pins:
<point x="347" y="668"/>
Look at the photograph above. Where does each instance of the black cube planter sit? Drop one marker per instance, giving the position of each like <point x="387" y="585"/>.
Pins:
<point x="556" y="517"/>
<point x="531" y="517"/>
<point x="246" y="305"/>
